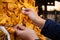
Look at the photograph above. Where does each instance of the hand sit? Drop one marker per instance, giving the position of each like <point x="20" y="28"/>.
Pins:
<point x="34" y="17"/>
<point x="25" y="33"/>
<point x="31" y="13"/>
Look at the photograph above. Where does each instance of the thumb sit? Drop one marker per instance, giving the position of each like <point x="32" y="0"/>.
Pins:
<point x="18" y="32"/>
<point x="26" y="10"/>
<point x="20" y="27"/>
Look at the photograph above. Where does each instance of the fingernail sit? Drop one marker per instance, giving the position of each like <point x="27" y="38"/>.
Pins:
<point x="23" y="8"/>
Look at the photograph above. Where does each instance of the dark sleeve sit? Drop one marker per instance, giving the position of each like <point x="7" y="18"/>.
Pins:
<point x="51" y="30"/>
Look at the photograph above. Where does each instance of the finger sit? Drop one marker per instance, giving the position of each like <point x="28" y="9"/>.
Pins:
<point x="20" y="27"/>
<point x="18" y="32"/>
<point x="26" y="10"/>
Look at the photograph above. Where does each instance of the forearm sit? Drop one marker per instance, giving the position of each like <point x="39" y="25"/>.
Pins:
<point x="40" y="22"/>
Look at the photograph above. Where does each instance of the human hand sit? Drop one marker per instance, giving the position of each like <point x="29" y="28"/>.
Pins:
<point x="25" y="33"/>
<point x="31" y="13"/>
<point x="34" y="17"/>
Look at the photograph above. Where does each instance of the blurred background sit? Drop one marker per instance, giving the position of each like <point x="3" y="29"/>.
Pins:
<point x="49" y="9"/>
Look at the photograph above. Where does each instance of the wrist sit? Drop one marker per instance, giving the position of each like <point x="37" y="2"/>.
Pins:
<point x="40" y="22"/>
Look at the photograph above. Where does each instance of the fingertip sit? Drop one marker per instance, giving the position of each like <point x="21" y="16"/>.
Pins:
<point x="20" y="27"/>
<point x="23" y="11"/>
<point x="23" y="8"/>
